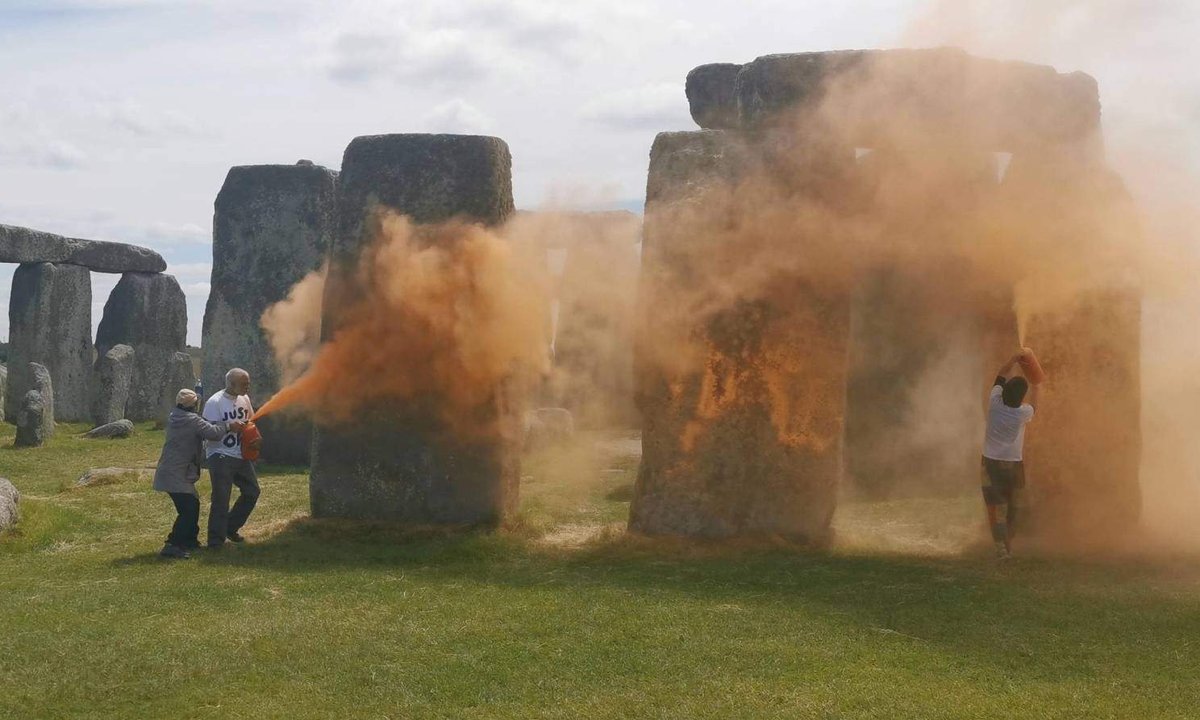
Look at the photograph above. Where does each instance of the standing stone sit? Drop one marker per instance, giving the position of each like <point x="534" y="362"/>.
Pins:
<point x="742" y="398"/>
<point x="31" y="421"/>
<point x="147" y="312"/>
<point x="1083" y="448"/>
<point x="10" y="504"/>
<point x="181" y="373"/>
<point x="271" y="228"/>
<point x="50" y="323"/>
<point x="404" y="465"/>
<point x="45" y="387"/>
<point x="3" y="389"/>
<point x="110" y="384"/>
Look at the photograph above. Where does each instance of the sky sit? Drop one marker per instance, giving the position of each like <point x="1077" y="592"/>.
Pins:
<point x="120" y="118"/>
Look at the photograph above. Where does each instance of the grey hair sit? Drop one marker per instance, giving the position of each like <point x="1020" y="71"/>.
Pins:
<point x="234" y="373"/>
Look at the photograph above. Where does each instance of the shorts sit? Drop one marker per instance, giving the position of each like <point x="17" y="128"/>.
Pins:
<point x="1001" y="478"/>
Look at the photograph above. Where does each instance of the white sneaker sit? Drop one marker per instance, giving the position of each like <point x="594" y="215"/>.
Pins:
<point x="1002" y="552"/>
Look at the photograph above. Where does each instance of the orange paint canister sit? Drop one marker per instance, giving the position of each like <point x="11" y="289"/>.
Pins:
<point x="251" y="442"/>
<point x="1031" y="368"/>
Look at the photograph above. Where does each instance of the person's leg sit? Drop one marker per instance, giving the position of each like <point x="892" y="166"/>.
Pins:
<point x="187" y="521"/>
<point x="995" y="499"/>
<point x="220" y="471"/>
<point x="247" y="483"/>
<point x="1016" y="497"/>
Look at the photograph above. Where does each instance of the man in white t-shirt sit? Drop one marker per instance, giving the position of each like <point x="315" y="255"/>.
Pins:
<point x="226" y="467"/>
<point x="1003" y="452"/>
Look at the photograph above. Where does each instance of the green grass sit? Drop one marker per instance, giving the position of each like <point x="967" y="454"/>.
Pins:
<point x="328" y="619"/>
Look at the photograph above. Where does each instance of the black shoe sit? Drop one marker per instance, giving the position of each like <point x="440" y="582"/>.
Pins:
<point x="174" y="552"/>
<point x="234" y="537"/>
<point x="214" y="546"/>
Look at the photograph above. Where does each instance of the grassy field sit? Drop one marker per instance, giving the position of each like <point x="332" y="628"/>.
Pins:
<point x="561" y="616"/>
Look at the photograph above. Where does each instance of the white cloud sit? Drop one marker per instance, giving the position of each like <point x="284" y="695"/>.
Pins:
<point x="406" y="54"/>
<point x="42" y="152"/>
<point x="130" y="117"/>
<point x="103" y="225"/>
<point x="66" y="130"/>
<point x="196" y="290"/>
<point x="661" y="106"/>
<point x="463" y="42"/>
<point x="456" y="116"/>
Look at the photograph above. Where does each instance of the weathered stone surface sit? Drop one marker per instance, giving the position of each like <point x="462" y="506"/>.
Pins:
<point x="181" y="373"/>
<point x="147" y="312"/>
<point x="113" y="475"/>
<point x="118" y="429"/>
<point x="22" y="245"/>
<point x="273" y="225"/>
<point x="684" y="164"/>
<point x="882" y="97"/>
<point x="1083" y="448"/>
<point x="741" y="400"/>
<point x="43" y="383"/>
<point x="31" y="421"/>
<point x="50" y="323"/>
<point x="110" y="384"/>
<point x="593" y="347"/>
<point x="711" y="96"/>
<point x="396" y="464"/>
<point x="10" y="504"/>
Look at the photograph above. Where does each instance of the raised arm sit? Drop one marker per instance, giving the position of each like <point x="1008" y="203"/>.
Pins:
<point x="1002" y="374"/>
<point x="1032" y="398"/>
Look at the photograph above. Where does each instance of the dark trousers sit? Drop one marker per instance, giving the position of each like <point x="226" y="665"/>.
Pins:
<point x="226" y="472"/>
<point x="186" y="531"/>
<point x="1003" y="482"/>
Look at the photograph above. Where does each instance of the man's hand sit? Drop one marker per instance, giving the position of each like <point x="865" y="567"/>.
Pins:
<point x="236" y="426"/>
<point x="1009" y="365"/>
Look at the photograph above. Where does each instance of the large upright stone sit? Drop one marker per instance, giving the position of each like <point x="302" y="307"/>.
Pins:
<point x="879" y="97"/>
<point x="147" y="312"/>
<point x="395" y="464"/>
<point x="22" y="245"/>
<point x="50" y="323"/>
<point x="181" y="373"/>
<point x="1083" y="447"/>
<point x="110" y="384"/>
<point x="741" y="395"/>
<point x="3" y="389"/>
<point x="272" y="226"/>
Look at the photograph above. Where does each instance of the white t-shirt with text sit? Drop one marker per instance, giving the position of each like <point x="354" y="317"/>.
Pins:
<point x="1005" y="438"/>
<point x="222" y="407"/>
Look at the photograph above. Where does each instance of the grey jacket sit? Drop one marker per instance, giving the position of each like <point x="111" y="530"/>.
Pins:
<point x="179" y="465"/>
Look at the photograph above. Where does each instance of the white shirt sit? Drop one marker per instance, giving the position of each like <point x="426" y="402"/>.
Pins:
<point x="1005" y="438"/>
<point x="220" y="408"/>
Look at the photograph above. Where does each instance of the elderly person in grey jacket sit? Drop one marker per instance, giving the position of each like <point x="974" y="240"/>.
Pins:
<point x="179" y="469"/>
